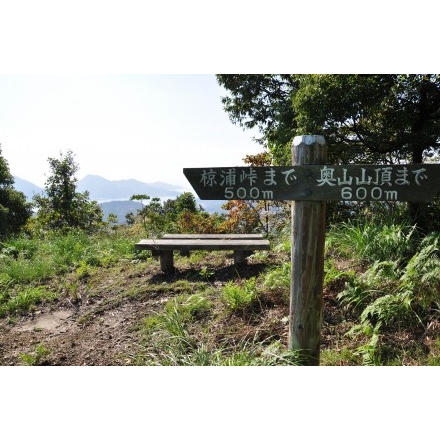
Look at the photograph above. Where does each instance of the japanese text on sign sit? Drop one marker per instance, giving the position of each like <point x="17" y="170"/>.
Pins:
<point x="355" y="183"/>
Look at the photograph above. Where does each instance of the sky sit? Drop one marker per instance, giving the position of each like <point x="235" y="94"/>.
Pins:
<point x="134" y="126"/>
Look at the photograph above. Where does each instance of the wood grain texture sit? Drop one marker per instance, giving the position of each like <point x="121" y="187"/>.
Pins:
<point x="307" y="276"/>
<point x="164" y="247"/>
<point x="198" y="244"/>
<point x="213" y="236"/>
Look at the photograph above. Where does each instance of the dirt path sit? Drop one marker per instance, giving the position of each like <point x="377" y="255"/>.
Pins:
<point x="96" y="329"/>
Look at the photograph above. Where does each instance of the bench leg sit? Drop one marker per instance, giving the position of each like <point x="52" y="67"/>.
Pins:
<point x="166" y="261"/>
<point x="155" y="253"/>
<point x="240" y="256"/>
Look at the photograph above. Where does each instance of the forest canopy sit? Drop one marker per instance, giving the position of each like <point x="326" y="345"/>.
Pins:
<point x="365" y="118"/>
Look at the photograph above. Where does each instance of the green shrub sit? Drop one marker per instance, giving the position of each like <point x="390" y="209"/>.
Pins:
<point x="239" y="297"/>
<point x="23" y="300"/>
<point x="37" y="357"/>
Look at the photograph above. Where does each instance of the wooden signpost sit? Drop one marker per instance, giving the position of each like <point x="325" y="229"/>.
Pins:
<point x="309" y="183"/>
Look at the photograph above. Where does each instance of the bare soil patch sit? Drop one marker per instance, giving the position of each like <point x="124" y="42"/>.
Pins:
<point x="96" y="320"/>
<point x="98" y="323"/>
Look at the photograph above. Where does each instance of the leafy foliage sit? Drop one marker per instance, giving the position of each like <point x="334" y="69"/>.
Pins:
<point x="180" y="215"/>
<point x="368" y="242"/>
<point x="390" y="296"/>
<point x="61" y="206"/>
<point x="372" y="118"/>
<point x="364" y="118"/>
<point x="248" y="216"/>
<point x="279" y="277"/>
<point x="239" y="297"/>
<point x="263" y="102"/>
<point x="22" y="300"/>
<point x="14" y="209"/>
<point x="367" y="118"/>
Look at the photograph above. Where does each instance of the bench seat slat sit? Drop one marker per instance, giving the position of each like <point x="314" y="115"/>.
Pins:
<point x="213" y="236"/>
<point x="206" y="244"/>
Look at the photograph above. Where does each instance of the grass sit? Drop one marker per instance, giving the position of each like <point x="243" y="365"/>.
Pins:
<point x="169" y="341"/>
<point x="367" y="242"/>
<point x="27" y="259"/>
<point x="382" y="293"/>
<point x="37" y="357"/>
<point x="27" y="264"/>
<point x="23" y="300"/>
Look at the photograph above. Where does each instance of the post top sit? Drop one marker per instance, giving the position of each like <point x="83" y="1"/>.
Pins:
<point x="309" y="139"/>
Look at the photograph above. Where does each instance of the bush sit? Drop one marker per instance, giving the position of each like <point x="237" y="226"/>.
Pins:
<point x="240" y="297"/>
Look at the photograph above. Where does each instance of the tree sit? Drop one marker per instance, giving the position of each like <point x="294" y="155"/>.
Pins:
<point x="174" y="207"/>
<point x="380" y="118"/>
<point x="364" y="118"/>
<point x="61" y="206"/>
<point x="186" y="202"/>
<point x="249" y="216"/>
<point x="374" y="118"/>
<point x="263" y="102"/>
<point x="169" y="216"/>
<point x="15" y="211"/>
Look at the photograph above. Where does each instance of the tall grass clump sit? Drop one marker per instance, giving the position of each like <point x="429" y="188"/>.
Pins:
<point x="171" y="338"/>
<point x="367" y="242"/>
<point x="26" y="259"/>
<point x="21" y="300"/>
<point x="34" y="258"/>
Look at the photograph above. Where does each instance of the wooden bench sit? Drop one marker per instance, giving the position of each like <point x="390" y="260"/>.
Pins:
<point x="242" y="244"/>
<point x="185" y="252"/>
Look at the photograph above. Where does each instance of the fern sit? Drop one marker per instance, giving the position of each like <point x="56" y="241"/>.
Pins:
<point x="239" y="297"/>
<point x="278" y="278"/>
<point x="387" y="310"/>
<point x="422" y="273"/>
<point x="370" y="352"/>
<point x="355" y="296"/>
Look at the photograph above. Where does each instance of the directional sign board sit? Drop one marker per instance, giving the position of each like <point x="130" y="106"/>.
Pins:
<point x="420" y="183"/>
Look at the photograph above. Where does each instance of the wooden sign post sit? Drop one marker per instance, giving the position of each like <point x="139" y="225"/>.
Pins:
<point x="307" y="256"/>
<point x="308" y="183"/>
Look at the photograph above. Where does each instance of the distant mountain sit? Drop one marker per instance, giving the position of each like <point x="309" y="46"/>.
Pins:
<point x="212" y="206"/>
<point x="101" y="189"/>
<point x="27" y="188"/>
<point x="114" y="195"/>
<point x="120" y="208"/>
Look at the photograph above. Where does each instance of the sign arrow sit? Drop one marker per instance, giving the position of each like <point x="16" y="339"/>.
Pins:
<point x="414" y="182"/>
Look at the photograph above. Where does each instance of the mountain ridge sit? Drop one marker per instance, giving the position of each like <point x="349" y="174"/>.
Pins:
<point x="108" y="192"/>
<point x="102" y="189"/>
